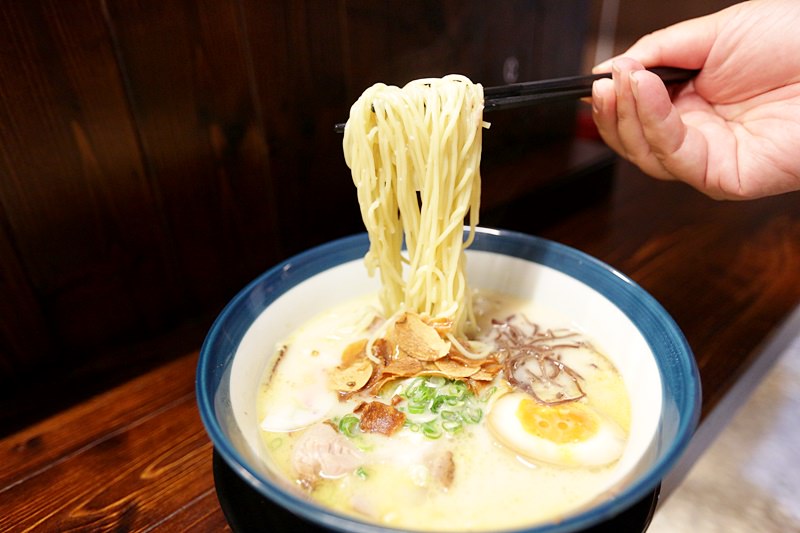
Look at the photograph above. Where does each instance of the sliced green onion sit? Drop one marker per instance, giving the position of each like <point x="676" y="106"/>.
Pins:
<point x="348" y="425"/>
<point x="453" y="401"/>
<point x="436" y="405"/>
<point x="450" y="402"/>
<point x="431" y="430"/>
<point x="460" y="387"/>
<point x="413" y="426"/>
<point x="416" y="409"/>
<point x="472" y="415"/>
<point x="449" y="415"/>
<point x="451" y="426"/>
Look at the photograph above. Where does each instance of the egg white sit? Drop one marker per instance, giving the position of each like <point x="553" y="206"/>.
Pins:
<point x="599" y="449"/>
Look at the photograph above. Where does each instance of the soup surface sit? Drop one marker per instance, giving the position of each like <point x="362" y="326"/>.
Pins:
<point x="522" y="423"/>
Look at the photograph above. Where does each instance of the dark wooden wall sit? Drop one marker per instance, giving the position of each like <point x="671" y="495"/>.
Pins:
<point x="155" y="155"/>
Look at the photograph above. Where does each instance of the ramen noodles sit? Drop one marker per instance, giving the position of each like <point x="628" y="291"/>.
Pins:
<point x="415" y="156"/>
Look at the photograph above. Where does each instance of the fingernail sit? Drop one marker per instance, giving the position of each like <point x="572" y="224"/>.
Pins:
<point x="634" y="77"/>
<point x="597" y="100"/>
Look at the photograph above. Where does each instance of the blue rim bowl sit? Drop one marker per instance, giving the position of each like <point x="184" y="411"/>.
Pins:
<point x="676" y="366"/>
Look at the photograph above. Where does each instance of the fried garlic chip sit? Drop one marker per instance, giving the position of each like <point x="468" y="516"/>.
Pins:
<point x="418" y="339"/>
<point x="354" y="371"/>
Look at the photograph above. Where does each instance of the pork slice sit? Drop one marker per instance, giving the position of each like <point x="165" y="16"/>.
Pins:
<point x="442" y="468"/>
<point x="322" y="452"/>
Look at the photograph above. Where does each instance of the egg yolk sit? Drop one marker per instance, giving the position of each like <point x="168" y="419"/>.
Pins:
<point x="557" y="423"/>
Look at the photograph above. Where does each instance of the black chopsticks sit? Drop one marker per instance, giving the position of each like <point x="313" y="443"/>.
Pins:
<point x="534" y="92"/>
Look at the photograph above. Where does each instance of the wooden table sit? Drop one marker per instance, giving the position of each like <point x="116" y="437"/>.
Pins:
<point x="136" y="458"/>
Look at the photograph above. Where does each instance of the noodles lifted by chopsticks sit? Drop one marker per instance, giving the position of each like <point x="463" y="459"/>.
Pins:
<point x="424" y="137"/>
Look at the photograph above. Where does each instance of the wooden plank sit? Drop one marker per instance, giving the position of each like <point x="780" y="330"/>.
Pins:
<point x="202" y="514"/>
<point x="77" y="201"/>
<point x="187" y="67"/>
<point x="90" y="266"/>
<point x="20" y="314"/>
<point x="127" y="479"/>
<point x="297" y="51"/>
<point x="58" y="438"/>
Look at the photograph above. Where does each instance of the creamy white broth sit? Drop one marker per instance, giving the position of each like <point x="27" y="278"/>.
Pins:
<point x="396" y="484"/>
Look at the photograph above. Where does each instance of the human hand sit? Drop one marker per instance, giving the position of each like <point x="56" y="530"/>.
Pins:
<point x="734" y="131"/>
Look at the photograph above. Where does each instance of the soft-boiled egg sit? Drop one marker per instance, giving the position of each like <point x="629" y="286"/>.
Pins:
<point x="570" y="434"/>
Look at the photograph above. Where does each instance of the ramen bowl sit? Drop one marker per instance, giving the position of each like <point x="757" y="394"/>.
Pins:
<point x="636" y="333"/>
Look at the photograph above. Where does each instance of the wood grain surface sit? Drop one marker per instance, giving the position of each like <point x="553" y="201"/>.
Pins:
<point x="136" y="458"/>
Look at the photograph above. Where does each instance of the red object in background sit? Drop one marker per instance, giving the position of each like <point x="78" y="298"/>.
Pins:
<point x="584" y="125"/>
